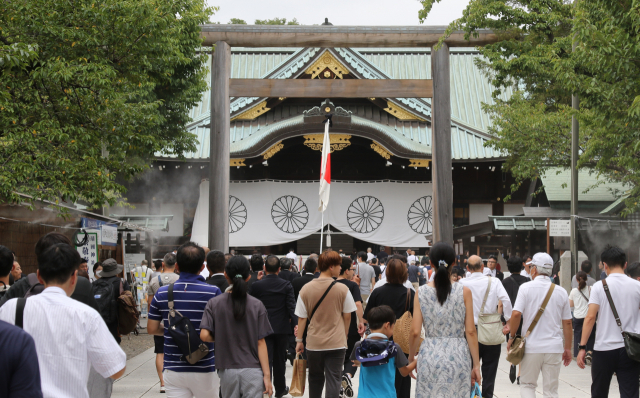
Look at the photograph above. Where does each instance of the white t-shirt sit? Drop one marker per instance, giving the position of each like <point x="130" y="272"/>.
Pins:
<point x="370" y="256"/>
<point x="546" y="337"/>
<point x="292" y="256"/>
<point x="580" y="304"/>
<point x="478" y="284"/>
<point x="412" y="258"/>
<point x="625" y="293"/>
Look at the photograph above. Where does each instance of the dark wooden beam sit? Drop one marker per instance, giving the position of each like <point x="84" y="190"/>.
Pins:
<point x="441" y="147"/>
<point x="339" y="36"/>
<point x="331" y="88"/>
<point x="219" y="149"/>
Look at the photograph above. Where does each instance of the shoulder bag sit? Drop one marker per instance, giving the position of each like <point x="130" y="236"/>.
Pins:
<point x="306" y="328"/>
<point x="402" y="328"/>
<point x="515" y="355"/>
<point x="184" y="334"/>
<point x="489" y="325"/>
<point x="631" y="340"/>
<point x="585" y="297"/>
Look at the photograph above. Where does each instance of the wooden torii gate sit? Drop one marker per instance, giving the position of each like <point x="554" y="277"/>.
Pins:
<point x="438" y="89"/>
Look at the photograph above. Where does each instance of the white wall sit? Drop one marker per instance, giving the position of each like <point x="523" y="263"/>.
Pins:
<point x="479" y="212"/>
<point x="513" y="209"/>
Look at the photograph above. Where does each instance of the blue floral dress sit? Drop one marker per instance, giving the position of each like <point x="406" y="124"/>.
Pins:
<point x="444" y="361"/>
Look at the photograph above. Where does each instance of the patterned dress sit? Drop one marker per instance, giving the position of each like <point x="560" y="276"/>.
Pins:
<point x="444" y="361"/>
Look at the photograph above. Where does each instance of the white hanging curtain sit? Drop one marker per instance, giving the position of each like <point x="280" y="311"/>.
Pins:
<point x="266" y="213"/>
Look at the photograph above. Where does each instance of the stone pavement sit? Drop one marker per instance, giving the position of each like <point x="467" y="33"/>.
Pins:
<point x="141" y="380"/>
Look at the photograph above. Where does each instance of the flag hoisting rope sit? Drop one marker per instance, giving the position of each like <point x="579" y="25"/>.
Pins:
<point x="325" y="174"/>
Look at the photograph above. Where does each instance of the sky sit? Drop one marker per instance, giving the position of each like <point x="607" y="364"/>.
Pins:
<point x="344" y="12"/>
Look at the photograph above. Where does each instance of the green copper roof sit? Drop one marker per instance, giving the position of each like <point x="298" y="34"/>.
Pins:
<point x="557" y="186"/>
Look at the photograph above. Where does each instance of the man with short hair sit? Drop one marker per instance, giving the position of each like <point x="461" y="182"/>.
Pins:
<point x="356" y="327"/>
<point x="257" y="265"/>
<point x="382" y="254"/>
<point x="310" y="267"/>
<point x="526" y="265"/>
<point x="609" y="354"/>
<point x="367" y="276"/>
<point x="414" y="275"/>
<point x="376" y="268"/>
<point x="277" y="296"/>
<point x="544" y="352"/>
<point x="165" y="278"/>
<point x="327" y="336"/>
<point x="586" y="267"/>
<point x="216" y="262"/>
<point x="190" y="296"/>
<point x="16" y="271"/>
<point x="492" y="264"/>
<point x="285" y="270"/>
<point x="6" y="264"/>
<point x="369" y="255"/>
<point x="478" y="283"/>
<point x="70" y="337"/>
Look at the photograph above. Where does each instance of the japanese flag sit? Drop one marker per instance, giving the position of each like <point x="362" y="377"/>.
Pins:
<point x="325" y="169"/>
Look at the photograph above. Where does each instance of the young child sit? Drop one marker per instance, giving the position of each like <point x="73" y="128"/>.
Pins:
<point x="379" y="357"/>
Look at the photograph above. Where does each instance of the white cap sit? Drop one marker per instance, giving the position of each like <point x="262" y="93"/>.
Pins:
<point x="542" y="261"/>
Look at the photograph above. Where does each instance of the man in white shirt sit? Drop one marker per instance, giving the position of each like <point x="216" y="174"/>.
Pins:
<point x="411" y="256"/>
<point x="526" y="264"/>
<point x="292" y="255"/>
<point x="70" y="336"/>
<point x="478" y="283"/>
<point x="369" y="255"/>
<point x="609" y="354"/>
<point x="367" y="276"/>
<point x="544" y="351"/>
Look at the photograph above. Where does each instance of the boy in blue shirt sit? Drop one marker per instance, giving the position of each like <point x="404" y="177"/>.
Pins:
<point x="379" y="358"/>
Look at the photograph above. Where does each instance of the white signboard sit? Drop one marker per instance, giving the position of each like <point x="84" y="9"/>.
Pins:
<point x="560" y="228"/>
<point x="89" y="251"/>
<point x="109" y="235"/>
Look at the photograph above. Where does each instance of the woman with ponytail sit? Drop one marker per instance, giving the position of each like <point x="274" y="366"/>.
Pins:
<point x="445" y="310"/>
<point x="579" y="301"/>
<point x="238" y="324"/>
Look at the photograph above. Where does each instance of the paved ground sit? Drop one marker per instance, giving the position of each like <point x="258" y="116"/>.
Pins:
<point x="141" y="380"/>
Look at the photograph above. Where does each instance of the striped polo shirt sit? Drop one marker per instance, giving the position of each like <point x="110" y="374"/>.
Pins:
<point x="190" y="295"/>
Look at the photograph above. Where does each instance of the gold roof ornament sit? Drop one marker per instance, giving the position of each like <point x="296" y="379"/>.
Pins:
<point x="338" y="141"/>
<point x="254" y="112"/>
<point x="400" y="113"/>
<point x="236" y="162"/>
<point x="327" y="60"/>
<point x="380" y="150"/>
<point x="419" y="162"/>
<point x="273" y="150"/>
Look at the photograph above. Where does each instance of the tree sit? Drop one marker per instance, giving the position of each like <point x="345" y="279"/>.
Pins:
<point x="534" y="56"/>
<point x="237" y="21"/>
<point x="92" y="91"/>
<point x="276" y="21"/>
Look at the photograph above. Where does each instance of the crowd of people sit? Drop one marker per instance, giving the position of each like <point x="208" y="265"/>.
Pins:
<point x="385" y="318"/>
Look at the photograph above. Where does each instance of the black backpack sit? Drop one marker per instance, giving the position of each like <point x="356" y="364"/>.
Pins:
<point x="186" y="337"/>
<point x="35" y="287"/>
<point x="104" y="292"/>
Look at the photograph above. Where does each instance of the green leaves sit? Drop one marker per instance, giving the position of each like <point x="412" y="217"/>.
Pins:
<point x="93" y="91"/>
<point x="534" y="56"/>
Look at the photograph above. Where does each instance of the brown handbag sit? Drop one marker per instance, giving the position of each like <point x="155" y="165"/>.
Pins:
<point x="515" y="355"/>
<point x="402" y="328"/>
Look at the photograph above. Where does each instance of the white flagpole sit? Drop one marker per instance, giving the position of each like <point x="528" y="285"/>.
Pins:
<point x="321" y="232"/>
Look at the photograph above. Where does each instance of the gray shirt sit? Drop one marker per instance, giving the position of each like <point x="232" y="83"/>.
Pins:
<point x="366" y="273"/>
<point x="236" y="342"/>
<point x="167" y="279"/>
<point x="574" y="281"/>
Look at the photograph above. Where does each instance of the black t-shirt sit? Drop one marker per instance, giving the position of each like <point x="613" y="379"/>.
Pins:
<point x="393" y="295"/>
<point x="355" y="292"/>
<point x="376" y="269"/>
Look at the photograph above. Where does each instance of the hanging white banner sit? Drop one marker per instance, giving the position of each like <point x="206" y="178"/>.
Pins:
<point x="269" y="213"/>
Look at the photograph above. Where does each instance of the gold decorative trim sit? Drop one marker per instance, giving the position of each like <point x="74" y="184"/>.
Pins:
<point x="327" y="60"/>
<point x="419" y="162"/>
<point x="338" y="141"/>
<point x="237" y="162"/>
<point x="282" y="98"/>
<point x="273" y="150"/>
<point x="400" y="113"/>
<point x="380" y="150"/>
<point x="254" y="112"/>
